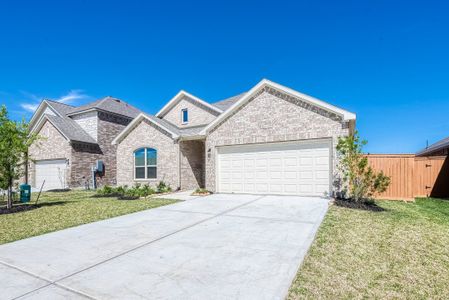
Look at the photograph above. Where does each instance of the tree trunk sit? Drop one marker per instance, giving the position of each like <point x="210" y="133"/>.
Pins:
<point x="9" y="203"/>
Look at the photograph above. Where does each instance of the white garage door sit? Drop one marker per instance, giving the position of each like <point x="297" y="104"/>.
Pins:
<point x="53" y="172"/>
<point x="300" y="168"/>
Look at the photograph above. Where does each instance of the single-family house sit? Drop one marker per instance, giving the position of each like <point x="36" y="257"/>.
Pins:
<point x="72" y="140"/>
<point x="268" y="140"/>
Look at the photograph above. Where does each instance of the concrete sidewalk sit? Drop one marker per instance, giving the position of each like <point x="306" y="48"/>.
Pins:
<point x="219" y="246"/>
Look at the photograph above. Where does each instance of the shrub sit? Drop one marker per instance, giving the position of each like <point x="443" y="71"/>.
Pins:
<point x="359" y="181"/>
<point x="121" y="190"/>
<point x="130" y="194"/>
<point x="162" y="187"/>
<point x="107" y="191"/>
<point x="146" y="191"/>
<point x="201" y="191"/>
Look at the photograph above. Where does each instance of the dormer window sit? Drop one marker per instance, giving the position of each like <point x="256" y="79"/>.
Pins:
<point x="185" y="116"/>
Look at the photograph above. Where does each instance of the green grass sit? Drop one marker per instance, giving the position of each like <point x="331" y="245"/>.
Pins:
<point x="400" y="253"/>
<point x="67" y="209"/>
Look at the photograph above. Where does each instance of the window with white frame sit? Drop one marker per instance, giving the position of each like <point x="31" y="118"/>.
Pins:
<point x="145" y="163"/>
<point x="185" y="116"/>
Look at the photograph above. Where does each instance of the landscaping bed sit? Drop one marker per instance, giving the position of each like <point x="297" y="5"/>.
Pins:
<point x="59" y="210"/>
<point x="401" y="252"/>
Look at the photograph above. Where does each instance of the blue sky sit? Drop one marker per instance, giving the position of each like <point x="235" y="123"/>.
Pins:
<point x="387" y="61"/>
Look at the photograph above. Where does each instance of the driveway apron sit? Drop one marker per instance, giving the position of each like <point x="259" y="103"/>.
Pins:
<point x="223" y="246"/>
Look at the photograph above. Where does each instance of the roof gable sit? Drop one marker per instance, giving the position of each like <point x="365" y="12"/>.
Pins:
<point x="346" y="115"/>
<point x="169" y="128"/>
<point x="43" y="106"/>
<point x="67" y="127"/>
<point x="172" y="103"/>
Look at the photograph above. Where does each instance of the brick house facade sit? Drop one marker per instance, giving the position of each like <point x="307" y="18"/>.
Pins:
<point x="80" y="136"/>
<point x="268" y="125"/>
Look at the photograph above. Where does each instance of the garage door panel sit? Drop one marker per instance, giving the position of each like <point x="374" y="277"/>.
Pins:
<point x="274" y="175"/>
<point x="261" y="163"/>
<point x="306" y="175"/>
<point x="306" y="161"/>
<point x="249" y="187"/>
<point x="262" y="174"/>
<point x="290" y="175"/>
<point x="249" y="163"/>
<point x="321" y="188"/>
<point x="276" y="188"/>
<point x="261" y="188"/>
<point x="305" y="189"/>
<point x="323" y="160"/>
<point x="237" y="187"/>
<point x="290" y="162"/>
<point x="291" y="188"/>
<point x="301" y="168"/>
<point x="322" y="174"/>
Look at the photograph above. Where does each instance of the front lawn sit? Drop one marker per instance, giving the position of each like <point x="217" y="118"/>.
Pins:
<point x="400" y="253"/>
<point x="61" y="210"/>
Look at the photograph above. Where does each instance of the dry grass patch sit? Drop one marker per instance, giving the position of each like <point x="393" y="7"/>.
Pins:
<point x="61" y="210"/>
<point x="399" y="253"/>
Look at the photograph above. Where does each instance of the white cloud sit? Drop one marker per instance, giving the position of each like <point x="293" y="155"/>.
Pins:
<point x="33" y="100"/>
<point x="72" y="96"/>
<point x="31" y="107"/>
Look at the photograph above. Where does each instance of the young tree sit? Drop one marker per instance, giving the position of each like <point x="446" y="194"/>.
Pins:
<point x="14" y="142"/>
<point x="360" y="181"/>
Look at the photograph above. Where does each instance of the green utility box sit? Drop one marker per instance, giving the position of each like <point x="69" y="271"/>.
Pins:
<point x="25" y="193"/>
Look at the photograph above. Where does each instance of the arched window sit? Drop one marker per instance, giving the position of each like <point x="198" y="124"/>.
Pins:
<point x="145" y="163"/>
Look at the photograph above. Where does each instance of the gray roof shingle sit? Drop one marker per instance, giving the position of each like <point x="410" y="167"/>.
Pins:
<point x="71" y="129"/>
<point x="227" y="103"/>
<point x="62" y="108"/>
<point x="109" y="104"/>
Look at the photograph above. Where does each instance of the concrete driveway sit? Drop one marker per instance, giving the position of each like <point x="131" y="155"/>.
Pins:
<point x="215" y="247"/>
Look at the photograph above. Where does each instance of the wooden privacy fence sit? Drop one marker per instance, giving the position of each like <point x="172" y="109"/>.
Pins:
<point x="412" y="176"/>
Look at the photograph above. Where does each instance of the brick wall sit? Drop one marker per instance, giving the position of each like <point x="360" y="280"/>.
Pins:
<point x="88" y="122"/>
<point x="51" y="145"/>
<point x="84" y="156"/>
<point x="198" y="114"/>
<point x="192" y="164"/>
<point x="146" y="134"/>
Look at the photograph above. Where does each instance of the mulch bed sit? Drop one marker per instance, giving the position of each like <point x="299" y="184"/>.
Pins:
<point x="18" y="208"/>
<point x="370" y="206"/>
<point x="201" y="194"/>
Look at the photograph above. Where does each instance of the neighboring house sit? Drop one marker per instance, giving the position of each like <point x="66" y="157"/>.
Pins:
<point x="73" y="139"/>
<point x="269" y="140"/>
<point x="439" y="148"/>
<point x="436" y="175"/>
